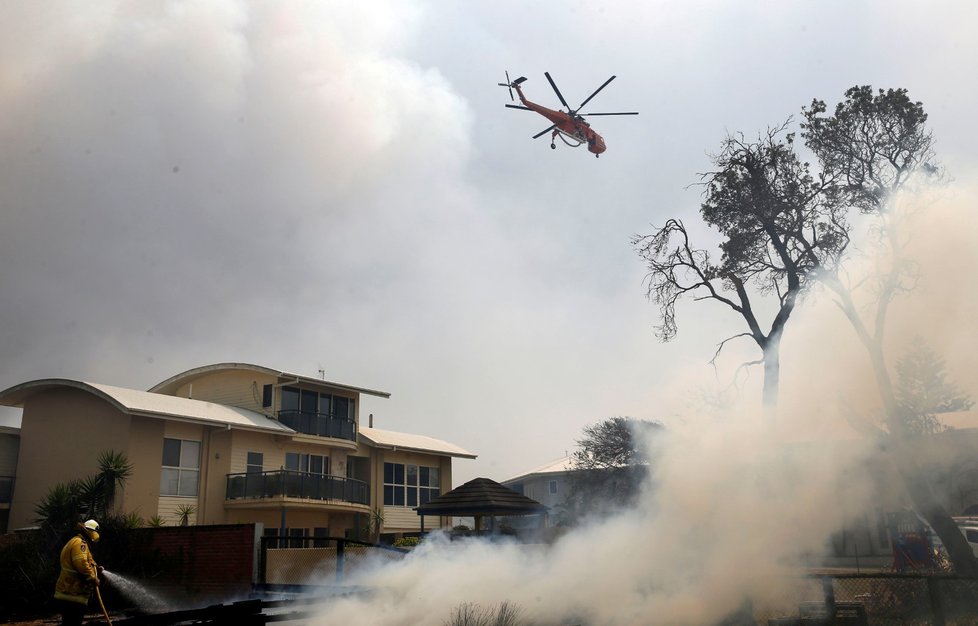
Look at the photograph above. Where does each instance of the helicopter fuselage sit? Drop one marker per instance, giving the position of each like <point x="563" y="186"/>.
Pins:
<point x="572" y="127"/>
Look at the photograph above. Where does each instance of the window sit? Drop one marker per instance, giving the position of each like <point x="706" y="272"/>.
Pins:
<point x="293" y="538"/>
<point x="320" y="533"/>
<point x="307" y="401"/>
<point x="321" y="414"/>
<point x="409" y="485"/>
<point x="290" y="399"/>
<point x="553" y="487"/>
<point x="255" y="460"/>
<point x="311" y="463"/>
<point x="181" y="468"/>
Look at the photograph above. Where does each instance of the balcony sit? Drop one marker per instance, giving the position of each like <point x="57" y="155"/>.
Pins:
<point x="320" y="424"/>
<point x="291" y="484"/>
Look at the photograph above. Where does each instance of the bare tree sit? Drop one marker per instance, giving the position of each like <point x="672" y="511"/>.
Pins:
<point x="781" y="226"/>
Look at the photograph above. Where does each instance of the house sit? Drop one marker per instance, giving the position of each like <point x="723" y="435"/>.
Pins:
<point x="548" y="484"/>
<point x="232" y="443"/>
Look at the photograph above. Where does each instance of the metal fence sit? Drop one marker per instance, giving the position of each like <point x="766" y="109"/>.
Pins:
<point x="317" y="561"/>
<point x="874" y="600"/>
<point x="289" y="483"/>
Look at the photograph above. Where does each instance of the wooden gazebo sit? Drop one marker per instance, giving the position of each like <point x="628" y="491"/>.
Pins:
<point x="478" y="498"/>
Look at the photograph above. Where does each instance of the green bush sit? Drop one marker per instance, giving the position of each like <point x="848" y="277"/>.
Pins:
<point x="407" y="542"/>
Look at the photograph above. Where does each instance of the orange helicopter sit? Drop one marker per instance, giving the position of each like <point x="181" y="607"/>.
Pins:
<point x="569" y="126"/>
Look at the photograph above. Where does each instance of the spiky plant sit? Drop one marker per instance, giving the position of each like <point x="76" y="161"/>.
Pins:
<point x="59" y="509"/>
<point x="184" y="511"/>
<point x="114" y="469"/>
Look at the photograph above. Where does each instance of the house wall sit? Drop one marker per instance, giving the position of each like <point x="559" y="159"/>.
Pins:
<point x="168" y="505"/>
<point x="538" y="488"/>
<point x="243" y="388"/>
<point x="398" y="519"/>
<point x="240" y="388"/>
<point x="141" y="493"/>
<point x="62" y="433"/>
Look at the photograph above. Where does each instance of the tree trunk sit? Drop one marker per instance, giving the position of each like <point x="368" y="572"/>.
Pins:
<point x="772" y="375"/>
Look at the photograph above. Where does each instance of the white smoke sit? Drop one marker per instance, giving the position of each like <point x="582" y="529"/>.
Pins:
<point x="740" y="505"/>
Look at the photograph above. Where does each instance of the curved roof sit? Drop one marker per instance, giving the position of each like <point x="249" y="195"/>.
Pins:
<point x="151" y="404"/>
<point x="171" y="384"/>
<point x="406" y="441"/>
<point x="481" y="496"/>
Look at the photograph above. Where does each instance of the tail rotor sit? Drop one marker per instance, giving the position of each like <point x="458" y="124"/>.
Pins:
<point x="509" y="86"/>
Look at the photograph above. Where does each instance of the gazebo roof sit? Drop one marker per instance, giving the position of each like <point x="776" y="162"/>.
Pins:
<point x="481" y="496"/>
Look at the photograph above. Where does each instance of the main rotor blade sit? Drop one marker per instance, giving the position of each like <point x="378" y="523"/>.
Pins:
<point x="587" y="114"/>
<point x="595" y="93"/>
<point x="543" y="132"/>
<point x="557" y="91"/>
<point x="517" y="106"/>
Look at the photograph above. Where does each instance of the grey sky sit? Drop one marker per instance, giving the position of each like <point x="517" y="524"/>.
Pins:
<point x="337" y="186"/>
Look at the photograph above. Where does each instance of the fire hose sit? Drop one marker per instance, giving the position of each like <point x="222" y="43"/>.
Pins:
<point x="98" y="594"/>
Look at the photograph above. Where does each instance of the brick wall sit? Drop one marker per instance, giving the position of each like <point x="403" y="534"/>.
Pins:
<point x="197" y="565"/>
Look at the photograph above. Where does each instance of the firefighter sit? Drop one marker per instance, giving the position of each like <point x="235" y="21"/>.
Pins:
<point x="79" y="574"/>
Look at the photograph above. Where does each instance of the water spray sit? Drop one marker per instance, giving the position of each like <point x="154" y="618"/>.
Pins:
<point x="133" y="591"/>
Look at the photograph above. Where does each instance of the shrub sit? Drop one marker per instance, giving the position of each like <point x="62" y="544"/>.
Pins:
<point x="407" y="542"/>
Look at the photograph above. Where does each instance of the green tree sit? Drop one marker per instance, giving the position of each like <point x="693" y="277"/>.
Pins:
<point x="923" y="390"/>
<point x="608" y="467"/>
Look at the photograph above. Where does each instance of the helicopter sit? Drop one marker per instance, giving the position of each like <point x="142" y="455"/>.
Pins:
<point x="570" y="126"/>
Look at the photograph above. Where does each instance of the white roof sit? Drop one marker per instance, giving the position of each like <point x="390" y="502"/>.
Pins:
<point x="154" y="405"/>
<point x="406" y="441"/>
<point x="559" y="466"/>
<point x="168" y="385"/>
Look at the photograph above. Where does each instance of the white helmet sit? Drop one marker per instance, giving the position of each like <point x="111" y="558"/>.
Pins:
<point x="91" y="525"/>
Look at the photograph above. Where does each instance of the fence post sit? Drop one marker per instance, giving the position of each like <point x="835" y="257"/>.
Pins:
<point x="340" y="559"/>
<point x="829" y="592"/>
<point x="937" y="608"/>
<point x="263" y="561"/>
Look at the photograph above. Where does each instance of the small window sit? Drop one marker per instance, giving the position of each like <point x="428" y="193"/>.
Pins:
<point x="181" y="468"/>
<point x="341" y="407"/>
<point x="553" y="487"/>
<point x="290" y="399"/>
<point x="255" y="461"/>
<point x="309" y="463"/>
<point x="972" y="535"/>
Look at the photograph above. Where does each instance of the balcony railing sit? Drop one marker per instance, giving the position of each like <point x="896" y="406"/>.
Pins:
<point x="296" y="485"/>
<point x="6" y="489"/>
<point x="321" y="424"/>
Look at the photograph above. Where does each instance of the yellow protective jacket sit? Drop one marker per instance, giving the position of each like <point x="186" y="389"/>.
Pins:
<point x="78" y="572"/>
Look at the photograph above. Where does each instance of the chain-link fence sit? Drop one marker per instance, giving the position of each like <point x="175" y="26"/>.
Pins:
<point x="318" y="560"/>
<point x="874" y="600"/>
